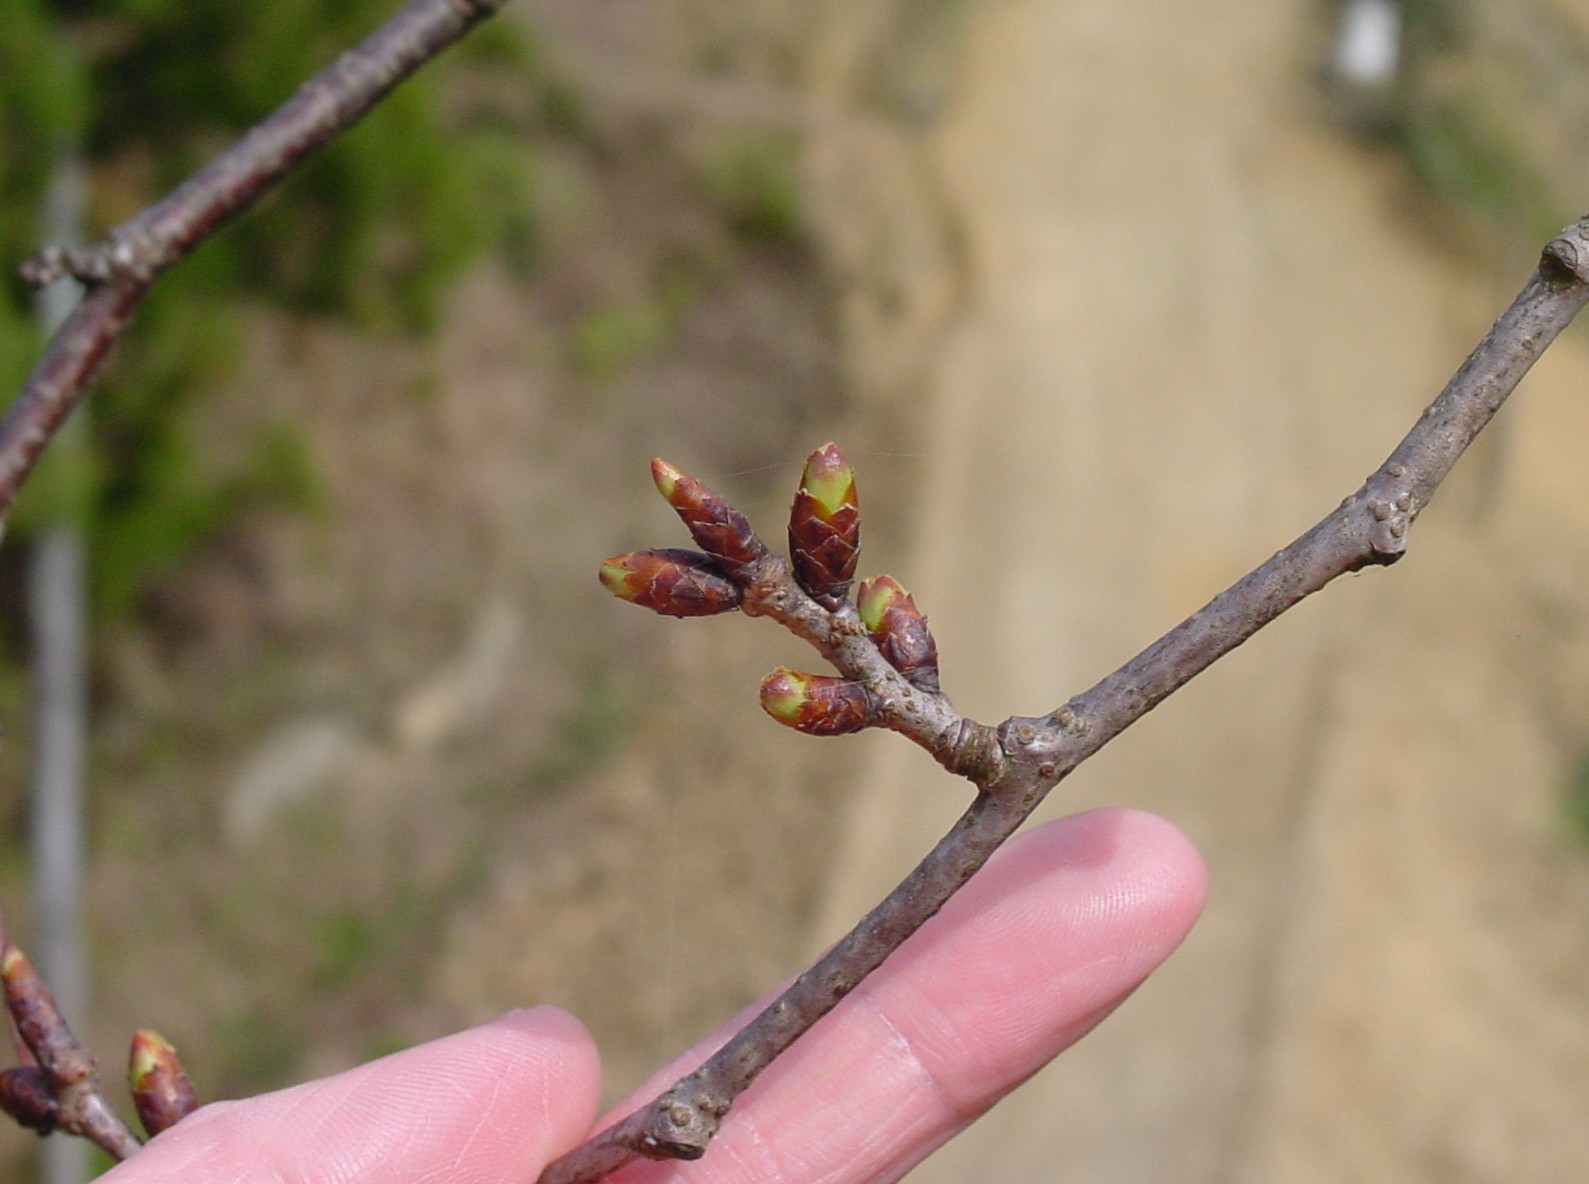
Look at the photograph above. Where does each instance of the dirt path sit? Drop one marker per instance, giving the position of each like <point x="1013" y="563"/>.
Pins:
<point x="1194" y="322"/>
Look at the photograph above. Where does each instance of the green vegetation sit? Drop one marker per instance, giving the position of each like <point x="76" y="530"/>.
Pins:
<point x="1456" y="149"/>
<point x="755" y="178"/>
<point x="43" y="105"/>
<point x="607" y="339"/>
<point x="372" y="230"/>
<point x="1489" y="112"/>
<point x="589" y="734"/>
<point x="1575" y="798"/>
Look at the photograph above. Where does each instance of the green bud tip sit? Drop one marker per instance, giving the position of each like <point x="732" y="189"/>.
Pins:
<point x="829" y="479"/>
<point x="873" y="598"/>
<point x="150" y="1052"/>
<point x="15" y="969"/>
<point x="783" y="693"/>
<point x="666" y="477"/>
<point x="616" y="578"/>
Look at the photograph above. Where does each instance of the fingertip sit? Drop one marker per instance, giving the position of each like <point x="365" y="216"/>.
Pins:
<point x="1060" y="927"/>
<point x="491" y="1104"/>
<point x="1131" y="867"/>
<point x="556" y="1048"/>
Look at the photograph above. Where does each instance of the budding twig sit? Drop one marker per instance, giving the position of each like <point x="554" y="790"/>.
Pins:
<point x="62" y="1090"/>
<point x="1017" y="764"/>
<point x="65" y="1071"/>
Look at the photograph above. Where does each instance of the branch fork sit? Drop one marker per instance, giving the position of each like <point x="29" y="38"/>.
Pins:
<point x="883" y="651"/>
<point x="57" y="1085"/>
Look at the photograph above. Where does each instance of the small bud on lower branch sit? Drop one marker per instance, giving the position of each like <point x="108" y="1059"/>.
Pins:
<point x="825" y="527"/>
<point x="717" y="528"/>
<point x="816" y="704"/>
<point x="161" y="1089"/>
<point x="68" y="1069"/>
<point x="34" y="1012"/>
<point x="899" y="630"/>
<point x="670" y="581"/>
<point x="26" y="1095"/>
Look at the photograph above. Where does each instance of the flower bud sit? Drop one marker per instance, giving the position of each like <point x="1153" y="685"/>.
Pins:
<point x="34" y="1013"/>
<point x="672" y="582"/>
<point x="899" y="630"/>
<point x="161" y="1089"/>
<point x="26" y="1095"/>
<point x="816" y="704"/>
<point x="825" y="527"/>
<point x="718" y="529"/>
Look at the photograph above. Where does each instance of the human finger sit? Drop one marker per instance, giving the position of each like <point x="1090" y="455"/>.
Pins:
<point x="1038" y="948"/>
<point x="486" y="1106"/>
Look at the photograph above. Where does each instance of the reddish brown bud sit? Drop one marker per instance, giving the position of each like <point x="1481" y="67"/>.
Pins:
<point x="26" y="1095"/>
<point x="672" y="582"/>
<point x="718" y="529"/>
<point x="37" y="1018"/>
<point x="161" y="1089"/>
<point x="899" y="630"/>
<point x="825" y="527"/>
<point x="816" y="704"/>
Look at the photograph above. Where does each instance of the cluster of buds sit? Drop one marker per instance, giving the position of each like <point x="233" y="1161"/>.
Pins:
<point x="824" y="546"/>
<point x="56" y="1086"/>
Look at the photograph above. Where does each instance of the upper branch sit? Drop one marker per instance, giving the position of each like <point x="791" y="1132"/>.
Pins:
<point x="1370" y="527"/>
<point x="121" y="269"/>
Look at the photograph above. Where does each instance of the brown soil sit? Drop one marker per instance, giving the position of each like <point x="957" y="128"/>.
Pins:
<point x="1196" y="318"/>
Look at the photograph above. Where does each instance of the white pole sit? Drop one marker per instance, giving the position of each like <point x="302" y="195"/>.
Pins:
<point x="58" y="613"/>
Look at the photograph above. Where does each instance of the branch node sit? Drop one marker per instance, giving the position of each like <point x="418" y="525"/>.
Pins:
<point x="1067" y="719"/>
<point x="679" y="1127"/>
<point x="128" y="253"/>
<point x="1567" y="255"/>
<point x="1390" y="514"/>
<point x="976" y="753"/>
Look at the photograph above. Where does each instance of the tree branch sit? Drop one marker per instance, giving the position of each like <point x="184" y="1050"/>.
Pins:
<point x="121" y="269"/>
<point x="68" y="1095"/>
<point x="1035" y="753"/>
<point x="57" y="1086"/>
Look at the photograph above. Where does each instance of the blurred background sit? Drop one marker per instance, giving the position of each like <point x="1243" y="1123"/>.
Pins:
<point x="1105" y="301"/>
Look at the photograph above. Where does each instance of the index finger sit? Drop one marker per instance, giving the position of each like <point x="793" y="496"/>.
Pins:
<point x="1036" y="950"/>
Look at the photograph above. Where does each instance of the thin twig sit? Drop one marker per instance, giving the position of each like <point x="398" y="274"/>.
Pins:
<point x="121" y="269"/>
<point x="1035" y="753"/>
<point x="69" y="1070"/>
<point x="62" y="1090"/>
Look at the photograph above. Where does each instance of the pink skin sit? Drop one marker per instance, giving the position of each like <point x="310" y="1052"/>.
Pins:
<point x="1059" y="928"/>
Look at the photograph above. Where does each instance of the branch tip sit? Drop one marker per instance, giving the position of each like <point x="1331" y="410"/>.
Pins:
<point x="671" y="581"/>
<point x="825" y="527"/>
<point x="816" y="704"/>
<point x="162" y="1092"/>
<point x="899" y="631"/>
<point x="717" y="527"/>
